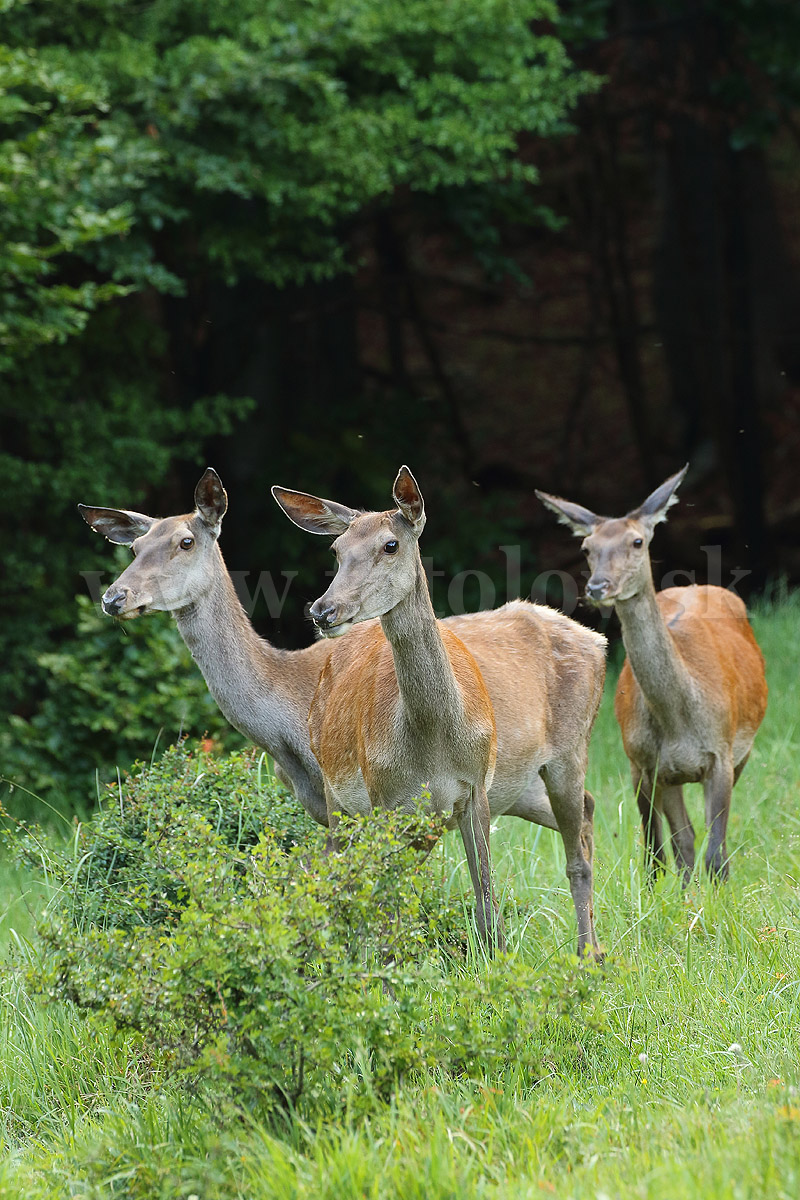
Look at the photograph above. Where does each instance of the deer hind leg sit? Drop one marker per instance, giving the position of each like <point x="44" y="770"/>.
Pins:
<point x="717" y="788"/>
<point x="568" y="797"/>
<point x="647" y="798"/>
<point x="474" y="828"/>
<point x="670" y="801"/>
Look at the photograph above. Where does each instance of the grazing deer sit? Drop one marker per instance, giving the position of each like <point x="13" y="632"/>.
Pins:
<point x="544" y="674"/>
<point x="692" y="691"/>
<point x="408" y="713"/>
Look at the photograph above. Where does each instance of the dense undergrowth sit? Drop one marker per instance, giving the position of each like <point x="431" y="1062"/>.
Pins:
<point x="199" y="910"/>
<point x="198" y="1002"/>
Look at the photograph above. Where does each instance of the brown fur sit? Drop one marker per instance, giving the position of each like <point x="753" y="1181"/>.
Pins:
<point x="353" y="714"/>
<point x="713" y="638"/>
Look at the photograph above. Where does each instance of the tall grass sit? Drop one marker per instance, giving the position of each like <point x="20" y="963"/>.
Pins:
<point x="687" y="1086"/>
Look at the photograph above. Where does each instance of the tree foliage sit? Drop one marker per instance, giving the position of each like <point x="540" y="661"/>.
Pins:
<point x="247" y="133"/>
<point x="152" y="159"/>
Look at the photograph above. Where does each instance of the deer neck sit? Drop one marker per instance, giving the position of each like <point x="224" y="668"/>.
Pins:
<point x="425" y="678"/>
<point x="659" y="669"/>
<point x="238" y="666"/>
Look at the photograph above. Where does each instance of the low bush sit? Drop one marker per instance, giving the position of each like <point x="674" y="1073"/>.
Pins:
<point x="201" y="910"/>
<point x="122" y="868"/>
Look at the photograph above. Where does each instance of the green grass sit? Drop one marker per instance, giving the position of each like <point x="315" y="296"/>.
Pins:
<point x="688" y="1085"/>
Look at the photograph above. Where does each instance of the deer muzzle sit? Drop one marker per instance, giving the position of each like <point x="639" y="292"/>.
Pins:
<point x="599" y="591"/>
<point x="328" y="618"/>
<point x="120" y="602"/>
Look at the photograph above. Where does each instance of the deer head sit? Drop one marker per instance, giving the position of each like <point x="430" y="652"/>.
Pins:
<point x="617" y="548"/>
<point x="377" y="553"/>
<point x="171" y="555"/>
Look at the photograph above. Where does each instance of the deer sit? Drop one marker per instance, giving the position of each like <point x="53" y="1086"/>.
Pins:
<point x="399" y="709"/>
<point x="406" y="713"/>
<point x="692" y="691"/>
<point x="263" y="691"/>
<point x="544" y="673"/>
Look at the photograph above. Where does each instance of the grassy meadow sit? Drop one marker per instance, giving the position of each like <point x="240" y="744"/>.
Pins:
<point x="684" y="1081"/>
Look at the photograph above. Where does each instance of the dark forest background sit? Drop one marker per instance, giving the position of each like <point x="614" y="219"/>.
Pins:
<point x="509" y="245"/>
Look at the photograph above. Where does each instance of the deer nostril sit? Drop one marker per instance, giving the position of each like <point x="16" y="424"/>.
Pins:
<point x="596" y="588"/>
<point x="323" y="613"/>
<point x="113" y="602"/>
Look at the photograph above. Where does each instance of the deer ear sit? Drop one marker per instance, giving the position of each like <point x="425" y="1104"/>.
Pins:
<point x="654" y="508"/>
<point x="116" y="524"/>
<point x="211" y="499"/>
<point x="313" y="514"/>
<point x="408" y="499"/>
<point x="580" y="520"/>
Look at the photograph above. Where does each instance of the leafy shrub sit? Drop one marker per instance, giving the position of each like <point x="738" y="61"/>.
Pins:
<point x="120" y="869"/>
<point x="200" y="909"/>
<point x="111" y="695"/>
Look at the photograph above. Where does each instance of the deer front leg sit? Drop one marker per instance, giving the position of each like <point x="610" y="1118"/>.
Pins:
<point x="474" y="828"/>
<point x="332" y="815"/>
<point x="305" y="785"/>
<point x="568" y="797"/>
<point x="670" y="800"/>
<point x="740" y="766"/>
<point x="587" y="828"/>
<point x="717" y="788"/>
<point x="646" y="797"/>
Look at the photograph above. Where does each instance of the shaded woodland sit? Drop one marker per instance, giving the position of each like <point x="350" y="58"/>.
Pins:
<point x="510" y="247"/>
<point x="657" y="325"/>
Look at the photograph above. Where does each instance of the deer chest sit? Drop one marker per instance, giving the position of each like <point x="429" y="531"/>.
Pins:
<point x="678" y="757"/>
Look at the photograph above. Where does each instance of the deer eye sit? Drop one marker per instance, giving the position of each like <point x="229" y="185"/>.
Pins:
<point x="186" y="543"/>
<point x="390" y="548"/>
<point x="638" y="543"/>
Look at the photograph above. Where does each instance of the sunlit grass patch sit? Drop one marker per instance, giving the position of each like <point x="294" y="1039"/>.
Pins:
<point x="677" y="1076"/>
